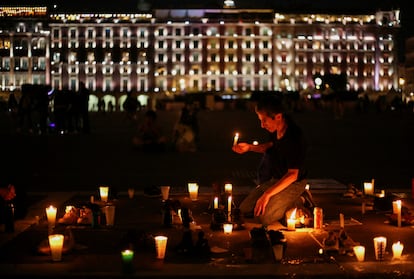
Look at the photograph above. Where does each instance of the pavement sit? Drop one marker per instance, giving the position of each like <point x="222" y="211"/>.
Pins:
<point x="61" y="168"/>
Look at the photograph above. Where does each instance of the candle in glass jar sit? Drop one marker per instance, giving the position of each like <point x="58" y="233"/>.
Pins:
<point x="359" y="252"/>
<point x="51" y="215"/>
<point x="228" y="228"/>
<point x="291" y="224"/>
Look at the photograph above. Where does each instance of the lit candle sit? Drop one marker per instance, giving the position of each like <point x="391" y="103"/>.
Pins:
<point x="193" y="190"/>
<point x="127" y="256"/>
<point x="51" y="215"/>
<point x="307" y="187"/>
<point x="255" y="142"/>
<point x="291" y="222"/>
<point x="368" y="188"/>
<point x="103" y="192"/>
<point x="398" y="213"/>
<point x="228" y="188"/>
<point x="397" y="249"/>
<point x="229" y="204"/>
<point x="359" y="252"/>
<point x="56" y="246"/>
<point x="236" y="139"/>
<point x="228" y="228"/>
<point x="127" y="260"/>
<point x="215" y="202"/>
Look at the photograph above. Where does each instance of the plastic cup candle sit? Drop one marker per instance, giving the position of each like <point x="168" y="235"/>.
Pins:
<point x="127" y="256"/>
<point x="165" y="191"/>
<point x="193" y="190"/>
<point x="368" y="188"/>
<point x="56" y="246"/>
<point x="228" y="228"/>
<point x="380" y="242"/>
<point x="160" y="246"/>
<point x="236" y="139"/>
<point x="359" y="252"/>
<point x="127" y="260"/>
<point x="228" y="188"/>
<point x="51" y="215"/>
<point x="103" y="192"/>
<point x="397" y="249"/>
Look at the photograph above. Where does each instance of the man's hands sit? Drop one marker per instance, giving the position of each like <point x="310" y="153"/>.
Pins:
<point x="261" y="204"/>
<point x="241" y="147"/>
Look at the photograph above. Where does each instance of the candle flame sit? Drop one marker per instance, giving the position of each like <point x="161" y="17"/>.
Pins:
<point x="293" y="214"/>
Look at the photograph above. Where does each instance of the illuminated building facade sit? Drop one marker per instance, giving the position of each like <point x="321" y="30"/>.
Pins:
<point x="173" y="51"/>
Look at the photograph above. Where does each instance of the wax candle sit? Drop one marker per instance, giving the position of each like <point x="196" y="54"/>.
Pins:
<point x="368" y="188"/>
<point x="51" y="215"/>
<point x="56" y="246"/>
<point x="397" y="249"/>
<point x="291" y="224"/>
<point x="236" y="138"/>
<point x="215" y="202"/>
<point x="228" y="188"/>
<point x="398" y="213"/>
<point x="103" y="192"/>
<point x="127" y="256"/>
<point x="193" y="190"/>
<point x="228" y="228"/>
<point x="359" y="252"/>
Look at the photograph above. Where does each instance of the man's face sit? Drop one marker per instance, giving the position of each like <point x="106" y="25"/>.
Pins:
<point x="270" y="123"/>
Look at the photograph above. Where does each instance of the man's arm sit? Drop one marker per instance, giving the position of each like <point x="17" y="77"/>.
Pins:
<point x="281" y="184"/>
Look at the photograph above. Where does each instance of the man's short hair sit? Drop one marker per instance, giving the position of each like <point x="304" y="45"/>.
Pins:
<point x="271" y="104"/>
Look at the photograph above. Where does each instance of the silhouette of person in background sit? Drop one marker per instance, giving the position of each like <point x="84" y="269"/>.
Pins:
<point x="186" y="132"/>
<point x="149" y="136"/>
<point x="84" y="107"/>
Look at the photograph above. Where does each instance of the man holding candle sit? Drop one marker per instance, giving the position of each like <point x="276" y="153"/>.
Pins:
<point x="281" y="174"/>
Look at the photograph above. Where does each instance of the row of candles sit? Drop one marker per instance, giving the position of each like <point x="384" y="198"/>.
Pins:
<point x="380" y="243"/>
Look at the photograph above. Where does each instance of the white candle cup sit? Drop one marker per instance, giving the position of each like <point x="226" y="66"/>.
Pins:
<point x="397" y="249"/>
<point x="359" y="252"/>
<point x="165" y="192"/>
<point x="193" y="191"/>
<point x="110" y="215"/>
<point x="216" y="204"/>
<point x="51" y="216"/>
<point x="56" y="246"/>
<point x="380" y="243"/>
<point x="228" y="228"/>
<point x="160" y="246"/>
<point x="368" y="188"/>
<point x="131" y="193"/>
<point x="104" y="192"/>
<point x="228" y="188"/>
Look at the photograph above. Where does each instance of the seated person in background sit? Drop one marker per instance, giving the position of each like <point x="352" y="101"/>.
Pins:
<point x="149" y="136"/>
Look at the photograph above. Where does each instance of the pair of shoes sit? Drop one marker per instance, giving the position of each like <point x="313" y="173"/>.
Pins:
<point x="152" y="192"/>
<point x="352" y="192"/>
